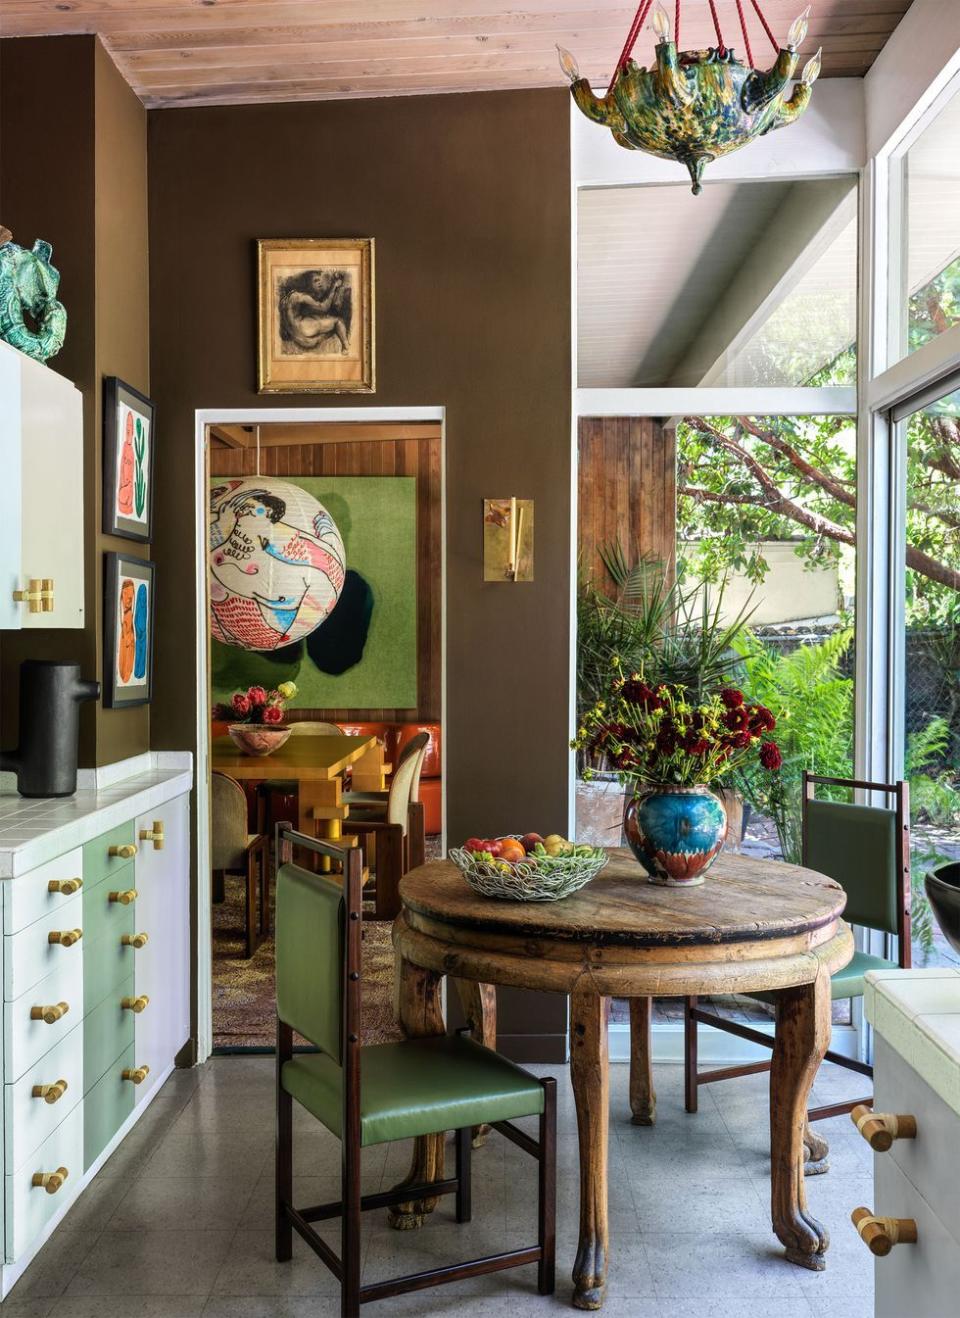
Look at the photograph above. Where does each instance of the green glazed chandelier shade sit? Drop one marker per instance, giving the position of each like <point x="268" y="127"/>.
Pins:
<point x="694" y="106"/>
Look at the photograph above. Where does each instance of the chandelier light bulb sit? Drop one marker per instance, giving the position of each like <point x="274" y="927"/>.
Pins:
<point x="661" y="23"/>
<point x="568" y="64"/>
<point x="798" y="30"/>
<point x="811" y="70"/>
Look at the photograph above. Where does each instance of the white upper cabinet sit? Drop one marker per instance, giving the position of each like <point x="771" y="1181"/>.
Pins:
<point x="41" y="495"/>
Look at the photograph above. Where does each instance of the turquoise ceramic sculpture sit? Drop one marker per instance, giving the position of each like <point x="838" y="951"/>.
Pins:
<point x="28" y="289"/>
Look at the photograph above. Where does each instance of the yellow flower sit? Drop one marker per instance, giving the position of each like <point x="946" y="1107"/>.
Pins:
<point x="287" y="689"/>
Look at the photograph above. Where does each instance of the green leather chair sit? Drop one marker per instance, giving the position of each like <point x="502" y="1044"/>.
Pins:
<point x="383" y="1092"/>
<point x="866" y="849"/>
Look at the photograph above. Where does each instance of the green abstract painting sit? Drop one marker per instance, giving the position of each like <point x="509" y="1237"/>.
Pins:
<point x="364" y="655"/>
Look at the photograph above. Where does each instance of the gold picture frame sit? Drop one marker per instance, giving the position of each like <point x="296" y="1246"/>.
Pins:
<point x="315" y="316"/>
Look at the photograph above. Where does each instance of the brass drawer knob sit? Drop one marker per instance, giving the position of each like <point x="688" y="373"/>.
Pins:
<point x="38" y="596"/>
<point x="50" y="1181"/>
<point x="135" y="1004"/>
<point x="51" y="1014"/>
<point x="880" y="1234"/>
<point x="154" y="835"/>
<point x="124" y="898"/>
<point x="50" y="1093"/>
<point x="135" y="940"/>
<point x="65" y="937"/>
<point x="125" y="851"/>
<point x="880" y="1129"/>
<point x="65" y="886"/>
<point x="135" y="1074"/>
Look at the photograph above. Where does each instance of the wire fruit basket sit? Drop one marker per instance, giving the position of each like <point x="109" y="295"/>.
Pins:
<point x="535" y="879"/>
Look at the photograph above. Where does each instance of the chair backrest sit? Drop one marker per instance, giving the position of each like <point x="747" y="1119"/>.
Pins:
<point x="406" y="780"/>
<point x="314" y="728"/>
<point x="866" y="849"/>
<point x="228" y="822"/>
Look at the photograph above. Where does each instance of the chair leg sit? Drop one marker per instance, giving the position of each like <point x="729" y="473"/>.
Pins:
<point x="219" y="893"/>
<point x="547" y="1210"/>
<point x="416" y="834"/>
<point x="690" y="1086"/>
<point x="284" y="1151"/>
<point x="464" y="1148"/>
<point x="251" y="908"/>
<point x="264" y="891"/>
<point x="350" y="1231"/>
<point x="389" y="872"/>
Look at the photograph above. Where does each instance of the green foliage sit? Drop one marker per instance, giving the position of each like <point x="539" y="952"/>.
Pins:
<point x="815" y="732"/>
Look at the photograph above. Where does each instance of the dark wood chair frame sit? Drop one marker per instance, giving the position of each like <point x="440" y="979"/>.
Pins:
<point x="346" y="1267"/>
<point x="695" y="1015"/>
<point x="255" y="875"/>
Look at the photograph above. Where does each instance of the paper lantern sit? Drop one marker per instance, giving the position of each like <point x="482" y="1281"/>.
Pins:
<point x="277" y="563"/>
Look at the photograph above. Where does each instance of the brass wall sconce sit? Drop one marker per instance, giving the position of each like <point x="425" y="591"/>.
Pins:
<point x="508" y="539"/>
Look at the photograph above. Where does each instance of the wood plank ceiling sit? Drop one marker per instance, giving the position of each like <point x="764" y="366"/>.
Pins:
<point x="210" y="52"/>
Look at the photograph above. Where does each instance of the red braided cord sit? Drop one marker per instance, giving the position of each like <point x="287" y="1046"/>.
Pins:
<point x="716" y="27"/>
<point x="676" y="27"/>
<point x="746" y="34"/>
<point x="638" y="20"/>
<point x="766" y="26"/>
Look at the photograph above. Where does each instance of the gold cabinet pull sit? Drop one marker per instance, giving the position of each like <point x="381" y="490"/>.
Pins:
<point x="51" y="1014"/>
<point x="50" y="1181"/>
<point x="880" y="1234"/>
<point x="124" y="898"/>
<point x="38" y="596"/>
<point x="154" y="835"/>
<point x="880" y="1129"/>
<point x="50" y="1093"/>
<point x="135" y="1004"/>
<point x="65" y="886"/>
<point x="65" y="937"/>
<point x="125" y="850"/>
<point x="135" y="1074"/>
<point x="135" y="940"/>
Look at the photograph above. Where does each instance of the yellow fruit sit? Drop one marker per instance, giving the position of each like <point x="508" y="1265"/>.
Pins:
<point x="553" y="837"/>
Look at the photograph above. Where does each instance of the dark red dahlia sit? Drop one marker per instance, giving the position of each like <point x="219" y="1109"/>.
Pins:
<point x="731" y="697"/>
<point x="761" y="719"/>
<point x="770" y="756"/>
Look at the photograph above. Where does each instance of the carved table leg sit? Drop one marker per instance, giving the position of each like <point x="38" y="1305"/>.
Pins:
<point x="802" y="1038"/>
<point x="590" y="1075"/>
<point x="479" y="1003"/>
<point x="643" y="1098"/>
<point x="420" y="1013"/>
<point x="815" y="1152"/>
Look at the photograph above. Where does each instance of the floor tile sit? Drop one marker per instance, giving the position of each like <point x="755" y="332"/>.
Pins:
<point x="167" y="1263"/>
<point x="128" y="1306"/>
<point x="161" y="1203"/>
<point x="250" y="1269"/>
<point x="712" y="1267"/>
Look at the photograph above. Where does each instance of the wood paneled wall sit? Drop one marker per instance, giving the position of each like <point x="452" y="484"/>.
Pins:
<point x="627" y="490"/>
<point x="376" y="457"/>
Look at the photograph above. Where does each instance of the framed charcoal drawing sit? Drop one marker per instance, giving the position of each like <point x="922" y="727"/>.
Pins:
<point x="128" y="631"/>
<point x="315" y="316"/>
<point x="128" y="442"/>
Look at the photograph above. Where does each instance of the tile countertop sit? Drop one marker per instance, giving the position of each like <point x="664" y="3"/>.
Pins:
<point x="34" y="831"/>
<point x="917" y="1012"/>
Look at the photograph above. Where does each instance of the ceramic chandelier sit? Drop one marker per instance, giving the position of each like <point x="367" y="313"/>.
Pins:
<point x="695" y="105"/>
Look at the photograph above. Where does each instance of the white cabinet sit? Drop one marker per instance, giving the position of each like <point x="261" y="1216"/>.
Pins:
<point x="162" y="912"/>
<point x="41" y="494"/>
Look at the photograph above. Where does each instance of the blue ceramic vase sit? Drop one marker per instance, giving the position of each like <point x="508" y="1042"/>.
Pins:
<point x="676" y="833"/>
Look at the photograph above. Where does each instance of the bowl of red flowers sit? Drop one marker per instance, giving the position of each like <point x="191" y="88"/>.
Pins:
<point x="255" y="718"/>
<point x="674" y="748"/>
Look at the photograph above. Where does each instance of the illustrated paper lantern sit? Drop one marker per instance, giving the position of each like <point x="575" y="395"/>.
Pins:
<point x="276" y="563"/>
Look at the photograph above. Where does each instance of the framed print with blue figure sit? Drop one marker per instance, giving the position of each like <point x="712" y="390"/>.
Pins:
<point x="128" y="631"/>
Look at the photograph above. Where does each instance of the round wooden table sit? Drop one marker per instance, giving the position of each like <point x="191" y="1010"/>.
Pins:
<point x="752" y="925"/>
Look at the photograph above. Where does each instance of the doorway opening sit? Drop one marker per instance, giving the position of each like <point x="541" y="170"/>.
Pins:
<point x="346" y="644"/>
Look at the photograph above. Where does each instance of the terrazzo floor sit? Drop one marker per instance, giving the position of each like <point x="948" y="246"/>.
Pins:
<point x="178" y="1223"/>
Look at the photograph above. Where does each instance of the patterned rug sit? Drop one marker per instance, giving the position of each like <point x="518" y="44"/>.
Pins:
<point x="244" y="1001"/>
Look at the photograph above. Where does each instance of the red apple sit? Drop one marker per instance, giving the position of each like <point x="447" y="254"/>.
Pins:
<point x="492" y="845"/>
<point x="530" y="840"/>
<point x="474" y="844"/>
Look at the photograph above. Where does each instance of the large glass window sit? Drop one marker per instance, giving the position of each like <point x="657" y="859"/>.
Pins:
<point x="929" y="301"/>
<point x="930" y="708"/>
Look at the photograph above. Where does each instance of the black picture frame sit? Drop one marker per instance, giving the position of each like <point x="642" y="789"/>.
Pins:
<point x="120" y="692"/>
<point x="119" y="401"/>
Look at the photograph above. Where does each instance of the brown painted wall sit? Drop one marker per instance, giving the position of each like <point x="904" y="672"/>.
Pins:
<point x="73" y="171"/>
<point x="468" y="199"/>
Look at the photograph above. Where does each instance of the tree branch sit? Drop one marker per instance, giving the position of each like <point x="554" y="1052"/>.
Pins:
<point x="826" y="482"/>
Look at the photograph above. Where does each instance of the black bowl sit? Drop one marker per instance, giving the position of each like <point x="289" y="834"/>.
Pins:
<point x="943" y="891"/>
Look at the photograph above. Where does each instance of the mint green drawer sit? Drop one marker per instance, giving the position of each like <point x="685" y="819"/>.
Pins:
<point x="101" y="916"/>
<point x="97" y="860"/>
<point x="106" y="1107"/>
<point x="107" y="1032"/>
<point x="108" y="962"/>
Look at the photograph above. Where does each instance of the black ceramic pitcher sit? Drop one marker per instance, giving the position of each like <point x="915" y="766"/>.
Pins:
<point x="51" y="693"/>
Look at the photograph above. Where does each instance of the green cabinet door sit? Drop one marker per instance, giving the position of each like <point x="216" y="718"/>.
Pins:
<point x="97" y="861"/>
<point x="101" y="916"/>
<point x="107" y="1032"/>
<point x="106" y="1107"/>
